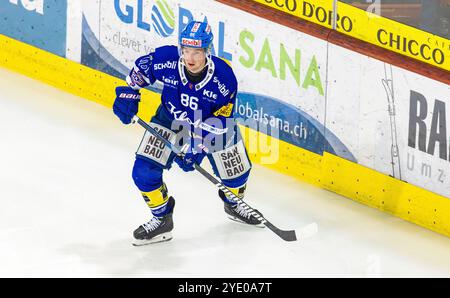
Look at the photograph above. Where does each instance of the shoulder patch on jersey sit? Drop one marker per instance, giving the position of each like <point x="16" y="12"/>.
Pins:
<point x="224" y="111"/>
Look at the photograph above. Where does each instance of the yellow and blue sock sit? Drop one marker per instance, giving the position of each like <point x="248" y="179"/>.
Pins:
<point x="157" y="200"/>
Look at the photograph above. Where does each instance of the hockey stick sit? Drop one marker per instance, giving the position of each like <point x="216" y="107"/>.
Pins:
<point x="285" y="235"/>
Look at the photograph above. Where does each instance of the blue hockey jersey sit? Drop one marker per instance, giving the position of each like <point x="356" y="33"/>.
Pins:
<point x="206" y="105"/>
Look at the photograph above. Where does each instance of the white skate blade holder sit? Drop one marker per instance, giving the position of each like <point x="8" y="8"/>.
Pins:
<point x="234" y="218"/>
<point x="159" y="238"/>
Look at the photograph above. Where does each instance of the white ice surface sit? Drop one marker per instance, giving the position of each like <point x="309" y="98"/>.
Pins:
<point x="68" y="207"/>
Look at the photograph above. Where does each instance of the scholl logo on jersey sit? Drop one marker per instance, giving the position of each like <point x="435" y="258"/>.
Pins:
<point x="163" y="17"/>
<point x="222" y="87"/>
<point x="168" y="64"/>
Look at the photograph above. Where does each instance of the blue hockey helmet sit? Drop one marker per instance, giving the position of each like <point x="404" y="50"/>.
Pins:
<point x="197" y="35"/>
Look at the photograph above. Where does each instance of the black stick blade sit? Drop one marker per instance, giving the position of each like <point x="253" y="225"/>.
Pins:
<point x="285" y="235"/>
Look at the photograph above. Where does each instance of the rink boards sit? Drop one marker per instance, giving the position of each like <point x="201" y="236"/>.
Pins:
<point x="343" y="121"/>
<point x="370" y="27"/>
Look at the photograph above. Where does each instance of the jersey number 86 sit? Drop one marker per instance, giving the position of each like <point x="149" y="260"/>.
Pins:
<point x="189" y="101"/>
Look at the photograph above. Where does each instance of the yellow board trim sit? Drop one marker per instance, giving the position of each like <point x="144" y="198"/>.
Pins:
<point x="67" y="75"/>
<point x="330" y="172"/>
<point x="303" y="9"/>
<point x="366" y="26"/>
<point x="377" y="30"/>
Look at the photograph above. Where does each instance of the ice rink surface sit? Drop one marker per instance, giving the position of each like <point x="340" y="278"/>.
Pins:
<point x="68" y="207"/>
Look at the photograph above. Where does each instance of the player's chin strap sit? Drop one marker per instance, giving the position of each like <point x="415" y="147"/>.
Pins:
<point x="209" y="64"/>
<point x="285" y="235"/>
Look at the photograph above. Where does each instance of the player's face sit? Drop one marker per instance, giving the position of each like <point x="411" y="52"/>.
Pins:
<point x="194" y="59"/>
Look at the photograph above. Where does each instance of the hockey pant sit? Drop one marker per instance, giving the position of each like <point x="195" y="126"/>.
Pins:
<point x="230" y="163"/>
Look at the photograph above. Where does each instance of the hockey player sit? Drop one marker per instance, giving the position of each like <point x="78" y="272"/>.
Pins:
<point x="196" y="113"/>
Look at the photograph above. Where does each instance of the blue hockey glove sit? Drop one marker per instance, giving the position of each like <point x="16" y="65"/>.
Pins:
<point x="191" y="155"/>
<point x="126" y="104"/>
<point x="187" y="162"/>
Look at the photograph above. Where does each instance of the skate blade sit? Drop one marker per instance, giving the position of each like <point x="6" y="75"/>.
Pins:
<point x="160" y="238"/>
<point x="233" y="218"/>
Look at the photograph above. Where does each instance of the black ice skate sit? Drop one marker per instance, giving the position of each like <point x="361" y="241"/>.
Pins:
<point x="158" y="229"/>
<point x="242" y="215"/>
<point x="239" y="213"/>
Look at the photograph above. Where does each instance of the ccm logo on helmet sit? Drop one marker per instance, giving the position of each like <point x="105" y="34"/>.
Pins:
<point x="195" y="27"/>
<point x="191" y="42"/>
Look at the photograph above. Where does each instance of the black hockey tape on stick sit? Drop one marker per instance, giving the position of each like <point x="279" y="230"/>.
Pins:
<point x="285" y="235"/>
